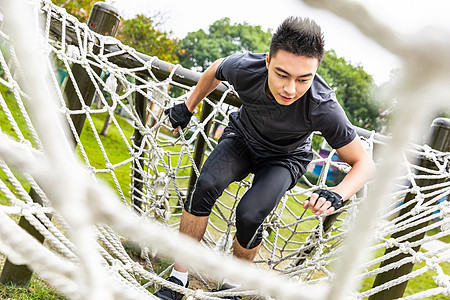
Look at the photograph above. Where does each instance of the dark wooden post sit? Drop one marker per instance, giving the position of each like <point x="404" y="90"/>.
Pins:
<point x="200" y="146"/>
<point x="439" y="139"/>
<point x="104" y="19"/>
<point x="138" y="163"/>
<point x="20" y="275"/>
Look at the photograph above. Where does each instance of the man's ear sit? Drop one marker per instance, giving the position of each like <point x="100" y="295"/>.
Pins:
<point x="267" y="59"/>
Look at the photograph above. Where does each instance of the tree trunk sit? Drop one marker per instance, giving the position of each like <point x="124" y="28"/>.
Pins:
<point x="106" y="125"/>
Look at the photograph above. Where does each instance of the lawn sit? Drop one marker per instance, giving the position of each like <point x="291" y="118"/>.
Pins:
<point x="37" y="290"/>
<point x="416" y="284"/>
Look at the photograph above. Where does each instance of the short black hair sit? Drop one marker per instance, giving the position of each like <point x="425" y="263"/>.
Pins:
<point x="299" y="36"/>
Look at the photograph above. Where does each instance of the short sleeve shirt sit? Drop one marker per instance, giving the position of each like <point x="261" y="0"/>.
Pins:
<point x="273" y="129"/>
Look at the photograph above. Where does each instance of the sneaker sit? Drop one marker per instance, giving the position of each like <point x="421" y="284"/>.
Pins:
<point x="226" y="286"/>
<point x="167" y="294"/>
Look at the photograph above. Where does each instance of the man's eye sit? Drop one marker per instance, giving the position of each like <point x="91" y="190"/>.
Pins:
<point x="281" y="75"/>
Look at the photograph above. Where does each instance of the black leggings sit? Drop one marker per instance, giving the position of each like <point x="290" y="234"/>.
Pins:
<point x="231" y="161"/>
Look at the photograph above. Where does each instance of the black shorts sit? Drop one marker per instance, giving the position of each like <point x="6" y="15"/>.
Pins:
<point x="232" y="160"/>
<point x="296" y="162"/>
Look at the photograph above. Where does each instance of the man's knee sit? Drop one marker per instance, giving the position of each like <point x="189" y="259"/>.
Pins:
<point x="206" y="182"/>
<point x="249" y="229"/>
<point x="203" y="197"/>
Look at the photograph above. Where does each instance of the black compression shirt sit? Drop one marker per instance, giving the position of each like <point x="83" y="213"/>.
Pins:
<point x="278" y="129"/>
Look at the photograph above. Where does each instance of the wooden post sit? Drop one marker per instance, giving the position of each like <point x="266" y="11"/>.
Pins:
<point x="200" y="147"/>
<point x="439" y="139"/>
<point x="141" y="106"/>
<point x="104" y="19"/>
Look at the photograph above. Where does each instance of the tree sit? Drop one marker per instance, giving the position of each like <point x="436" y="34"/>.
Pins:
<point x="354" y="90"/>
<point x="199" y="48"/>
<point x="142" y="34"/>
<point x="78" y="8"/>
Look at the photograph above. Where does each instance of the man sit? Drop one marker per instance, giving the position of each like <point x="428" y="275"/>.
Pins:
<point x="283" y="101"/>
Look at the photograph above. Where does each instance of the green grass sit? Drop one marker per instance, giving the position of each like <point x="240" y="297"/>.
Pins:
<point x="37" y="290"/>
<point x="14" y="133"/>
<point x="445" y="239"/>
<point x="415" y="285"/>
<point x="114" y="146"/>
<point x="425" y="281"/>
<point x="14" y="110"/>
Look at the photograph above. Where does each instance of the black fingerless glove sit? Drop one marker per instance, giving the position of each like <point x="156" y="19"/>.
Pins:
<point x="333" y="197"/>
<point x="179" y="115"/>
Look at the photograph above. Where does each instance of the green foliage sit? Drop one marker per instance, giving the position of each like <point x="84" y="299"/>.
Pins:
<point x="354" y="90"/>
<point x="200" y="48"/>
<point x="316" y="141"/>
<point x="78" y="8"/>
<point x="142" y="34"/>
<point x="444" y="114"/>
<point x="139" y="32"/>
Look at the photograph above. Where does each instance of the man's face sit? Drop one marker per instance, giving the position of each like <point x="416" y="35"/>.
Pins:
<point x="290" y="76"/>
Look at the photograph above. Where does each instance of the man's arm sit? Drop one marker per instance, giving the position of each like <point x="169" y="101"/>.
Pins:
<point x="362" y="169"/>
<point x="180" y="114"/>
<point x="206" y="84"/>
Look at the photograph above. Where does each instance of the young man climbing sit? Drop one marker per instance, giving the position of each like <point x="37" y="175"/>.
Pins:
<point x="283" y="102"/>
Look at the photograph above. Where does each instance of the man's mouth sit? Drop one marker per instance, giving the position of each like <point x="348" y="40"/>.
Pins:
<point x="286" y="99"/>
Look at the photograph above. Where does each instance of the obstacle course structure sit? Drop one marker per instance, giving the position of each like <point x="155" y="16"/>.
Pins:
<point x="151" y="172"/>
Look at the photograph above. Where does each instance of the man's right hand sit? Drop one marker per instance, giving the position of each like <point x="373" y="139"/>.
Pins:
<point x="179" y="115"/>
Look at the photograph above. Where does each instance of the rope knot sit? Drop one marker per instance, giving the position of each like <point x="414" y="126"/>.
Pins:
<point x="443" y="281"/>
<point x="91" y="170"/>
<point x="404" y="248"/>
<point x="415" y="211"/>
<point x="201" y="126"/>
<point x="444" y="207"/>
<point x="418" y="257"/>
<point x="415" y="190"/>
<point x="64" y="110"/>
<point x="390" y="242"/>
<point x="26" y="143"/>
<point x="197" y="294"/>
<point x="86" y="108"/>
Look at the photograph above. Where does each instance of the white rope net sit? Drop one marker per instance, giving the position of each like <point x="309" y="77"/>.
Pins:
<point x="86" y="227"/>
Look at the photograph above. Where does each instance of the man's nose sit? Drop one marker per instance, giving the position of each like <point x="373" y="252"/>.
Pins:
<point x="289" y="88"/>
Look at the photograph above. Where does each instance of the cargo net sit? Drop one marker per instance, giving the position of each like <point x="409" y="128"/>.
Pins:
<point x="127" y="142"/>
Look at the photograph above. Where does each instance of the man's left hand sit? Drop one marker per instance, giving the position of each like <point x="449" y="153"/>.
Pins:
<point x="323" y="201"/>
